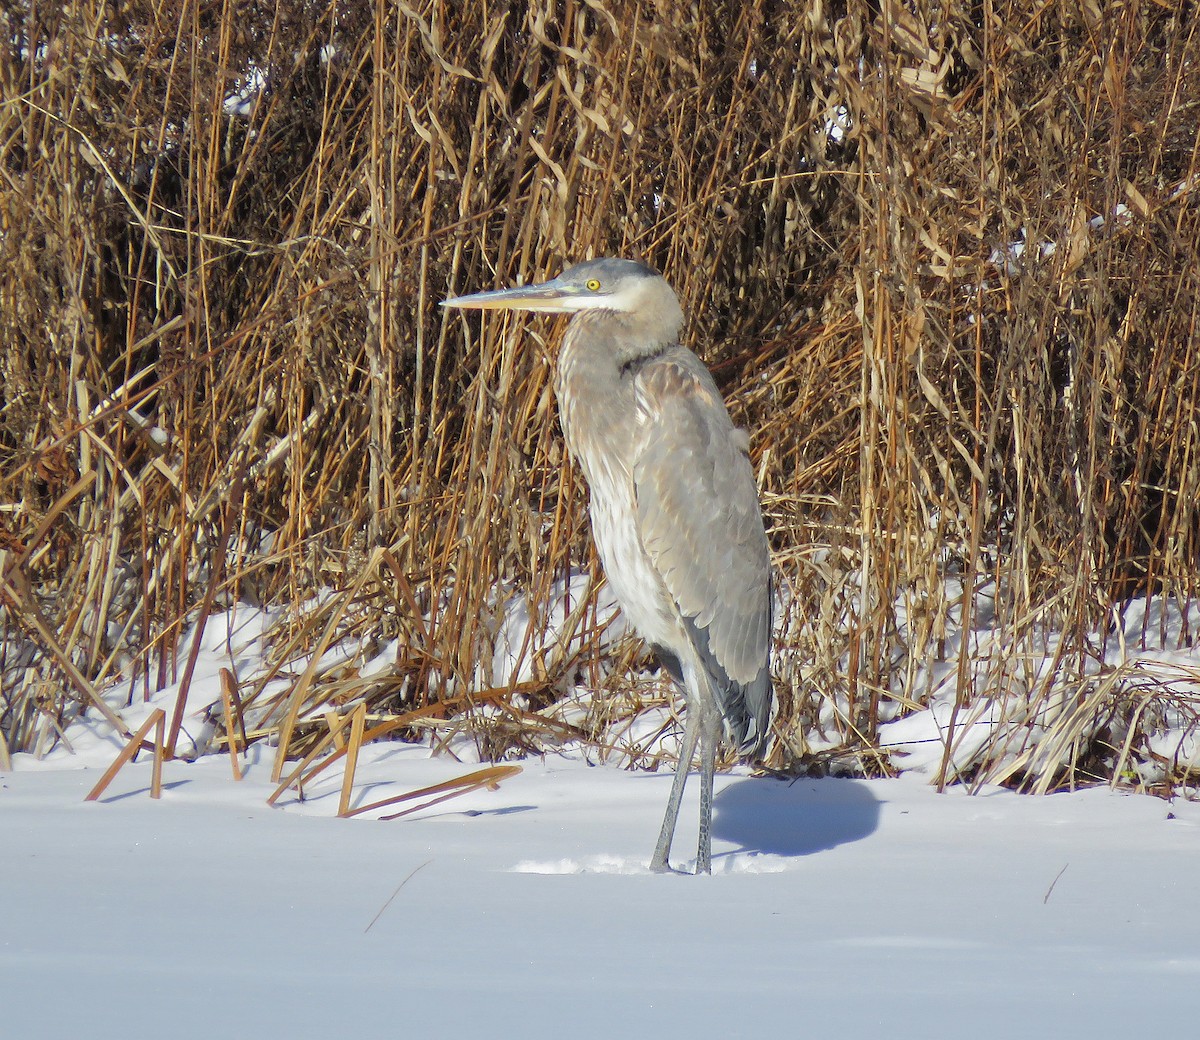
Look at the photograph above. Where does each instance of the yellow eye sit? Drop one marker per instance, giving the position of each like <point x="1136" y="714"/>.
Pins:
<point x="593" y="284"/>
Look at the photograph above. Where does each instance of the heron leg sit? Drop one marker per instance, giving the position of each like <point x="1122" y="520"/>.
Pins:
<point x="709" y="734"/>
<point x="691" y="731"/>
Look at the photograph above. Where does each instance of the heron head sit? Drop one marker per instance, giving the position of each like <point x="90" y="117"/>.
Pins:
<point x="609" y="284"/>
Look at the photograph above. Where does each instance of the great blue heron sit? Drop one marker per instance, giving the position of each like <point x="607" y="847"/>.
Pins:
<point x="674" y="506"/>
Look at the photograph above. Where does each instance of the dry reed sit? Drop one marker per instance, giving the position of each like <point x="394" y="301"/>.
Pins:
<point x="225" y="376"/>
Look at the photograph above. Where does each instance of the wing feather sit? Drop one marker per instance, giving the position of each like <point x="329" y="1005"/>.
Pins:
<point x="700" y="523"/>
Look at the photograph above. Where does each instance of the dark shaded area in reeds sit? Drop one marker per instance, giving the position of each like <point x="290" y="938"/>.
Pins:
<point x="942" y="257"/>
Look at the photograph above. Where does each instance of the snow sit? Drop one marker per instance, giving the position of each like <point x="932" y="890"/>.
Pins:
<point x="855" y="908"/>
<point x="1023" y="709"/>
<point x="240" y="102"/>
<point x="866" y="907"/>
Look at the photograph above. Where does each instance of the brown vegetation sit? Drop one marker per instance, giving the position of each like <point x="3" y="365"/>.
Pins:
<point x="225" y="375"/>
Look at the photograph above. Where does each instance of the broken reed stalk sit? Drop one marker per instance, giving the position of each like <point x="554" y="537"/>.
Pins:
<point x="301" y="774"/>
<point x="232" y="713"/>
<point x="489" y="777"/>
<point x="157" y="720"/>
<point x="299" y="693"/>
<point x="357" y="724"/>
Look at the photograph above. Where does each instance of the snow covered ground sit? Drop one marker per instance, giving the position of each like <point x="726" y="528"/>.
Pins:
<point x="836" y="907"/>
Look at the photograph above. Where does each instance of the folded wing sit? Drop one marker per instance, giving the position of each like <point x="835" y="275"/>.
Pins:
<point x="701" y="525"/>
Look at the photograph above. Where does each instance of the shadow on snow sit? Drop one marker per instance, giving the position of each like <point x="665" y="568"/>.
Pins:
<point x="794" y="817"/>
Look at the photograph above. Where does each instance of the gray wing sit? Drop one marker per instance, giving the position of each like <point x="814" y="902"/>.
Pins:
<point x="701" y="524"/>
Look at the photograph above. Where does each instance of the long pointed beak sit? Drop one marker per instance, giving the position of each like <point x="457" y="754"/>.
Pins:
<point x="545" y="296"/>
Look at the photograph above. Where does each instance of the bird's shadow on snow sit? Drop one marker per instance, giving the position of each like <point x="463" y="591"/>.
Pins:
<point x="793" y="817"/>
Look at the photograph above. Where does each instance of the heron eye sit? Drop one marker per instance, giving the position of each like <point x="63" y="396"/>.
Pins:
<point x="593" y="284"/>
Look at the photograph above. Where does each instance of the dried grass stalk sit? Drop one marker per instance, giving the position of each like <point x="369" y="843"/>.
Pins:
<point x="942" y="258"/>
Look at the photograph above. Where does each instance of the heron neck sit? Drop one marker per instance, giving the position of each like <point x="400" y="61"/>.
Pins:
<point x="620" y="339"/>
<point x="594" y="383"/>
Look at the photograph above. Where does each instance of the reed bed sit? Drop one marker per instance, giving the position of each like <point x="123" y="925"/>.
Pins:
<point x="941" y="256"/>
